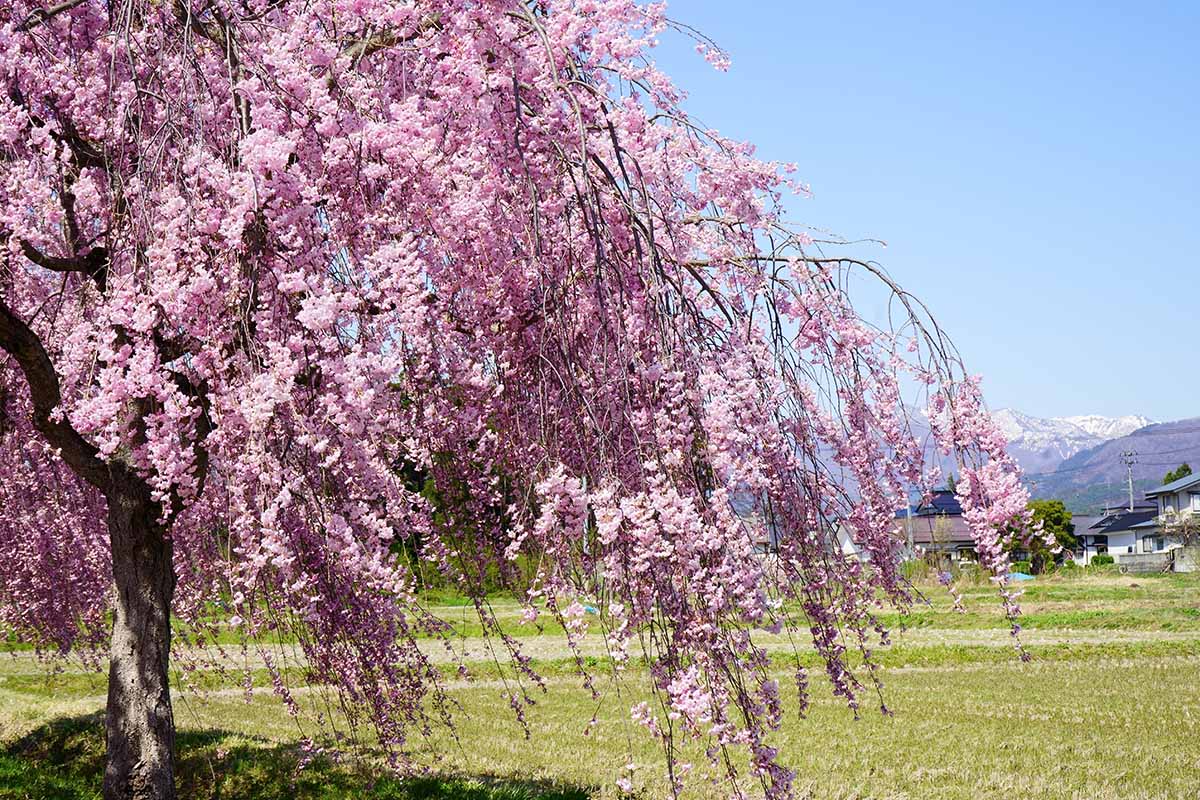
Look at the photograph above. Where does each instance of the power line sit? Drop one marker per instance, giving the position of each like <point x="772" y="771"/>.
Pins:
<point x="1097" y="465"/>
<point x="1193" y="449"/>
<point x="1190" y="448"/>
<point x="1170" y="432"/>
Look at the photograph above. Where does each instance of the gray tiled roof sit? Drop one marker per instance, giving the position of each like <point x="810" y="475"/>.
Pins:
<point x="942" y="530"/>
<point x="1186" y="482"/>
<point x="1122" y="522"/>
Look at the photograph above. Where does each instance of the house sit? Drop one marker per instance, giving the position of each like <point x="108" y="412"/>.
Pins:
<point x="1146" y="536"/>
<point x="1115" y="533"/>
<point x="1177" y="520"/>
<point x="1177" y="497"/>
<point x="937" y="527"/>
<point x="931" y="527"/>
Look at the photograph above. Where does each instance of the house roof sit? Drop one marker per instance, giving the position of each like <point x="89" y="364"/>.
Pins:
<point x="1150" y="523"/>
<point x="941" y="529"/>
<point x="1122" y="507"/>
<point x="938" y="522"/>
<point x="941" y="502"/>
<point x="1114" y="523"/>
<point x="1186" y="482"/>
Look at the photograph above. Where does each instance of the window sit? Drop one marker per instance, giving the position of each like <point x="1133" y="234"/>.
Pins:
<point x="1168" y="504"/>
<point x="1129" y="549"/>
<point x="1195" y="501"/>
<point x="1147" y="544"/>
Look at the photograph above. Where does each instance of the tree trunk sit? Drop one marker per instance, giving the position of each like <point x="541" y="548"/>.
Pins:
<point x="139" y="726"/>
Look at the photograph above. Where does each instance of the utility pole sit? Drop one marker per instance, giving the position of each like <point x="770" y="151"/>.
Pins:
<point x="1129" y="458"/>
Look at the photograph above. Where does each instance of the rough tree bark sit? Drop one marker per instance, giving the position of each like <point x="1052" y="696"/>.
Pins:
<point x="139" y="726"/>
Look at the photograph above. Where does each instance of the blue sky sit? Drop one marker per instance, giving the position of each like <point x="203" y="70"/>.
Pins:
<point x="1034" y="168"/>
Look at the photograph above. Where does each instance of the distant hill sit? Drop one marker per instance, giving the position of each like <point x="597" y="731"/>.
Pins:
<point x="1089" y="500"/>
<point x="1090" y="477"/>
<point x="1041" y="445"/>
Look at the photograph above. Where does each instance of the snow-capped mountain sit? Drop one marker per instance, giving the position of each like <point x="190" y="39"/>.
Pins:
<point x="1041" y="444"/>
<point x="1108" y="427"/>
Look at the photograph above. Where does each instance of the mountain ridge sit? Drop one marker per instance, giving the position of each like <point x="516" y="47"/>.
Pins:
<point x="1108" y="427"/>
<point x="1041" y="444"/>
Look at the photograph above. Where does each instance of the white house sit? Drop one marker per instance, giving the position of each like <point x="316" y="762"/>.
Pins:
<point x="1150" y="535"/>
<point x="1177" y="506"/>
<point x="1115" y="533"/>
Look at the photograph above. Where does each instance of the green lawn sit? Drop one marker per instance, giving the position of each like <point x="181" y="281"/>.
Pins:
<point x="1108" y="709"/>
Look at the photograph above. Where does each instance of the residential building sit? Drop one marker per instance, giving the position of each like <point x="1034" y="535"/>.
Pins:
<point x="1144" y="537"/>
<point x="937" y="527"/>
<point x="933" y="527"/>
<point x="1177" y="518"/>
<point x="1115" y="533"/>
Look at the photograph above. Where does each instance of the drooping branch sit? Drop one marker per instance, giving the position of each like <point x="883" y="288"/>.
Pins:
<point x="173" y="349"/>
<point x="19" y="341"/>
<point x="220" y="33"/>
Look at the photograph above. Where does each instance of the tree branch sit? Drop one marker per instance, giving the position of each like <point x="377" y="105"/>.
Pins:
<point x="94" y="264"/>
<point x="361" y="48"/>
<point x="40" y="15"/>
<point x="20" y="342"/>
<point x="204" y="426"/>
<point x="175" y="347"/>
<point x="86" y="154"/>
<point x="221" y="34"/>
<point x="172" y="350"/>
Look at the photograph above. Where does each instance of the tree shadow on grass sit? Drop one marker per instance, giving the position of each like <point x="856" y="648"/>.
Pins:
<point x="64" y="760"/>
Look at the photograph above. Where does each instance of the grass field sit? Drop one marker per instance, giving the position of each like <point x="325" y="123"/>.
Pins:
<point x="1109" y="708"/>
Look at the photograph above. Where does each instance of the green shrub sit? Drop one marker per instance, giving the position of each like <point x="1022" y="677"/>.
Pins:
<point x="1102" y="560"/>
<point x="1022" y="566"/>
